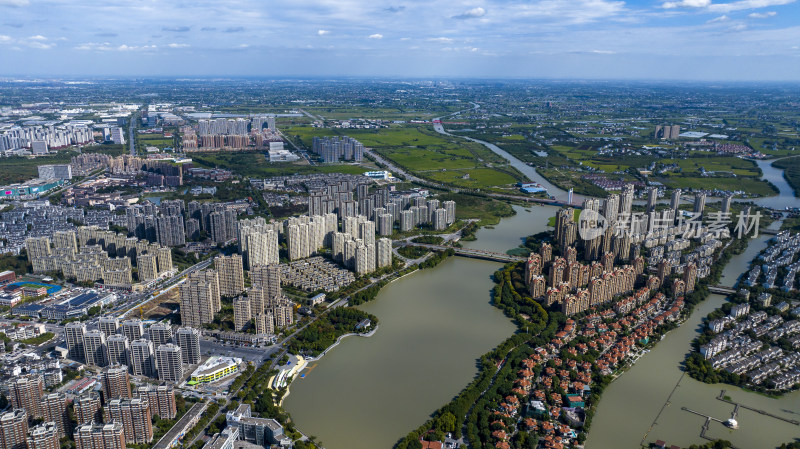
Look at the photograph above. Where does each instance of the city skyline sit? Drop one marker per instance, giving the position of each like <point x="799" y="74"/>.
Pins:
<point x="586" y="39"/>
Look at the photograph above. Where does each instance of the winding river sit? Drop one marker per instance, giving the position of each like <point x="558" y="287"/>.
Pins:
<point x="644" y="404"/>
<point x="434" y="324"/>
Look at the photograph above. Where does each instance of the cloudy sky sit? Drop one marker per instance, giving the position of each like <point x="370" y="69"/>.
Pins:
<point x="607" y="39"/>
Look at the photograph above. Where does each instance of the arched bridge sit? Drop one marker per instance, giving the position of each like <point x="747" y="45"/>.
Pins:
<point x="473" y="253"/>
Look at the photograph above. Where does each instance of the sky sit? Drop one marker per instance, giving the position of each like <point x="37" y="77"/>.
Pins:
<point x="730" y="40"/>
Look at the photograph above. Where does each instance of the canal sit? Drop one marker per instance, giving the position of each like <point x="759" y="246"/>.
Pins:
<point x="434" y="324"/>
<point x="644" y="404"/>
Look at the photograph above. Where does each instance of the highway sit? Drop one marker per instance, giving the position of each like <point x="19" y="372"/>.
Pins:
<point x="131" y="131"/>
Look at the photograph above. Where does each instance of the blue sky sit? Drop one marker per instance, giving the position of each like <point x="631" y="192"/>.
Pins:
<point x="607" y="39"/>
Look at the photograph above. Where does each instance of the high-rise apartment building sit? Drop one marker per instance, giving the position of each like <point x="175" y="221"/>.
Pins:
<point x="200" y="298"/>
<point x="262" y="248"/>
<point x="164" y="260"/>
<point x="241" y="313"/>
<point x="147" y="264"/>
<point x="383" y="256"/>
<point x="108" y="325"/>
<point x="73" y="336"/>
<point x="53" y="408"/>
<point x="116" y="383"/>
<point x="14" y="429"/>
<point x="265" y="323"/>
<point x="44" y="436"/>
<point x="188" y="339"/>
<point x="134" y="414"/>
<point x="268" y="279"/>
<point x="161" y="399"/>
<point x="450" y="207"/>
<point x="170" y="363"/>
<point x="170" y="230"/>
<point x="699" y="202"/>
<point x="142" y="363"/>
<point x="231" y="274"/>
<point x="100" y="436"/>
<point x="118" y="350"/>
<point x="96" y="350"/>
<point x="25" y="392"/>
<point x="675" y="199"/>
<point x="133" y="329"/>
<point x="160" y="333"/>
<point x="87" y="408"/>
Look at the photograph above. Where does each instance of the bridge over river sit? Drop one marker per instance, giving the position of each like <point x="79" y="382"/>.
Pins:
<point x="473" y="253"/>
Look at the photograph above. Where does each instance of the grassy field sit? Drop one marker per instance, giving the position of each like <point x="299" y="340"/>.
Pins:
<point x="255" y="165"/>
<point x="19" y="169"/>
<point x="479" y="178"/>
<point x="427" y="154"/>
<point x="488" y="211"/>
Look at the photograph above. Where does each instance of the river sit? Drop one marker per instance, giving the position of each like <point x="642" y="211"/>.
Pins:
<point x="785" y="197"/>
<point x="644" y="403"/>
<point x="524" y="168"/>
<point x="434" y="324"/>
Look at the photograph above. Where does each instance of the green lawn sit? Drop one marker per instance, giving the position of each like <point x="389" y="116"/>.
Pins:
<point x="479" y="178"/>
<point x="488" y="210"/>
<point x="19" y="169"/>
<point x="255" y="165"/>
<point x="423" y="152"/>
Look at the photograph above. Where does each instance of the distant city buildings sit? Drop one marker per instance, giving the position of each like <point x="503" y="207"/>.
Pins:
<point x="333" y="149"/>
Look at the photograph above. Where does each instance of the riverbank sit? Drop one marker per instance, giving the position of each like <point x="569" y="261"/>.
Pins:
<point x="338" y="340"/>
<point x="661" y="388"/>
<point x="537" y="329"/>
<point x="309" y="360"/>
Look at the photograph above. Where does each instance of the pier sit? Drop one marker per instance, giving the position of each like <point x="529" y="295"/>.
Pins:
<point x="710" y="418"/>
<point x="721" y="397"/>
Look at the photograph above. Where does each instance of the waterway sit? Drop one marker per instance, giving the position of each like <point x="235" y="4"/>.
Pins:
<point x="785" y="197"/>
<point x="434" y="324"/>
<point x="524" y="168"/>
<point x="644" y="404"/>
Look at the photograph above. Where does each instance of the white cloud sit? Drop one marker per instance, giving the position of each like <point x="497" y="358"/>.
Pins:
<point x="762" y="15"/>
<point x="37" y="42"/>
<point x="440" y="40"/>
<point x="687" y="4"/>
<point x="106" y="46"/>
<point x="323" y="32"/>
<point x="725" y="7"/>
<point x="565" y="12"/>
<point x="376" y="36"/>
<point x="747" y="4"/>
<point x="603" y="52"/>
<point x="174" y="45"/>
<point x="722" y="18"/>
<point x="473" y="13"/>
<point x="15" y="3"/>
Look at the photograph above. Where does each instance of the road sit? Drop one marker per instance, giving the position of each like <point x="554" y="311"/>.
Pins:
<point x="131" y="132"/>
<point x="164" y="285"/>
<point x="86" y="179"/>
